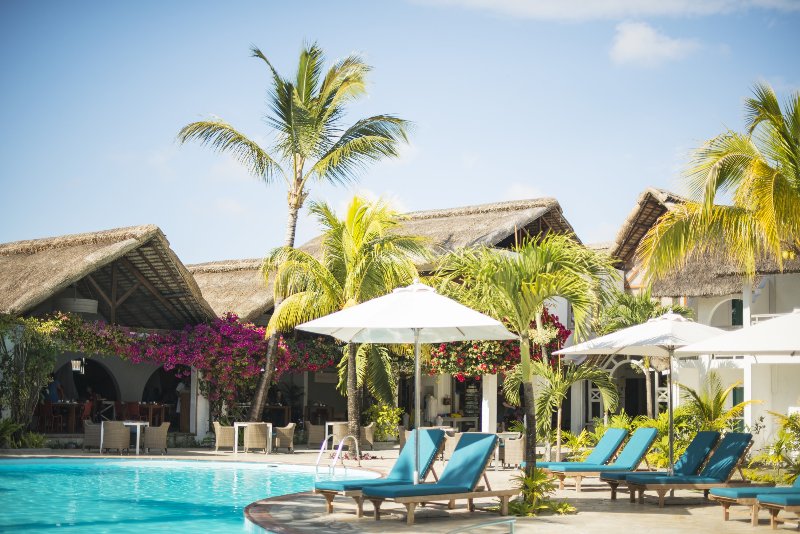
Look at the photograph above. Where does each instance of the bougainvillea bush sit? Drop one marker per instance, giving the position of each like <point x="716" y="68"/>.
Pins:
<point x="475" y="358"/>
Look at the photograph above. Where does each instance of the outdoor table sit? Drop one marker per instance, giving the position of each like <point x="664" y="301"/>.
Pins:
<point x="138" y="425"/>
<point x="242" y="424"/>
<point x="502" y="436"/>
<point x="155" y="412"/>
<point x="455" y="421"/>
<point x="329" y="430"/>
<point x="71" y="409"/>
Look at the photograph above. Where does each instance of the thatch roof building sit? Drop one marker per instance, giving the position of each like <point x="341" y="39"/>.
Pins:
<point x="132" y="273"/>
<point x="238" y="286"/>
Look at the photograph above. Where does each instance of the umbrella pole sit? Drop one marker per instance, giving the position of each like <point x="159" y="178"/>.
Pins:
<point x="671" y="421"/>
<point x="417" y="415"/>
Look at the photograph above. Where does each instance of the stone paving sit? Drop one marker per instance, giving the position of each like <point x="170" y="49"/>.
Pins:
<point x="305" y="512"/>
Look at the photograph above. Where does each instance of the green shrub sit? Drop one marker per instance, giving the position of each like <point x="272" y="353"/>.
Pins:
<point x="535" y="492"/>
<point x="386" y="419"/>
<point x="7" y="430"/>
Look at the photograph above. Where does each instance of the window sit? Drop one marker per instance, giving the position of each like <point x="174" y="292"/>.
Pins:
<point x="737" y="312"/>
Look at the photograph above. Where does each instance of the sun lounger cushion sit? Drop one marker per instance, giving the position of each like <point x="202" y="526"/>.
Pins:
<point x="688" y="464"/>
<point x="403" y="469"/>
<point x="718" y="469"/>
<point x="751" y="493"/>
<point x="781" y="500"/>
<point x="628" y="459"/>
<point x="461" y="475"/>
<point x="602" y="452"/>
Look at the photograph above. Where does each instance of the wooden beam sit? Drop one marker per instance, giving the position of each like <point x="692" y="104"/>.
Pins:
<point x="150" y="287"/>
<point x="97" y="288"/>
<point x="128" y="293"/>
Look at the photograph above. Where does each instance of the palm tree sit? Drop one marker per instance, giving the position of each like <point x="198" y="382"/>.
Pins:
<point x="761" y="171"/>
<point x="556" y="380"/>
<point x="628" y="310"/>
<point x="311" y="143"/>
<point x="361" y="258"/>
<point x="515" y="286"/>
<point x="706" y="407"/>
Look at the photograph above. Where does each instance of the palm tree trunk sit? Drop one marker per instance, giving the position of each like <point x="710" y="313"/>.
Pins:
<point x="353" y="398"/>
<point x="558" y="434"/>
<point x="260" y="398"/>
<point x="648" y="386"/>
<point x="530" y="427"/>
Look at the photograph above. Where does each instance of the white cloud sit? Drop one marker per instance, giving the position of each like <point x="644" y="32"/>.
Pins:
<point x="638" y="43"/>
<point x="575" y="10"/>
<point x="521" y="191"/>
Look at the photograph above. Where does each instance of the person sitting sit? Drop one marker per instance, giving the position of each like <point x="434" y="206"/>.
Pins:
<point x="55" y="392"/>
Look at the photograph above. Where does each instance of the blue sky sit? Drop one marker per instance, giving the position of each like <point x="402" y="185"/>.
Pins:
<point x="585" y="101"/>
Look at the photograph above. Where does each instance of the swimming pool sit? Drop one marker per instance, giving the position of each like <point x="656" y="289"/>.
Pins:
<point x="110" y="495"/>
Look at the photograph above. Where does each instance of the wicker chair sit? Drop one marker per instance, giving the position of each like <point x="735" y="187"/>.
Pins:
<point x="116" y="436"/>
<point x="91" y="435"/>
<point x="316" y="433"/>
<point x="223" y="436"/>
<point x="155" y="437"/>
<point x="514" y="451"/>
<point x="256" y="436"/>
<point x="284" y="437"/>
<point x="450" y="443"/>
<point x="368" y="436"/>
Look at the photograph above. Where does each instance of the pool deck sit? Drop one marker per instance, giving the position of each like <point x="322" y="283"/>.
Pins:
<point x="305" y="512"/>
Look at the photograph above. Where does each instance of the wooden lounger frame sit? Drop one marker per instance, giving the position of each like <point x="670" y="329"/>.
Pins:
<point x="358" y="496"/>
<point x="451" y="498"/>
<point x="662" y="489"/>
<point x="727" y="502"/>
<point x="579" y="475"/>
<point x="775" y="509"/>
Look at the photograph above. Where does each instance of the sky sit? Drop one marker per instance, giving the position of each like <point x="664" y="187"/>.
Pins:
<point x="587" y="101"/>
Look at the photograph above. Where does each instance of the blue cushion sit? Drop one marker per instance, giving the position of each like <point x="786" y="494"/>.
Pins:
<point x="411" y="490"/>
<point x="607" y="446"/>
<point x="744" y="492"/>
<point x="725" y="457"/>
<point x="697" y="451"/>
<point x="635" y="449"/>
<point x="403" y="469"/>
<point x="667" y="480"/>
<point x="781" y="500"/>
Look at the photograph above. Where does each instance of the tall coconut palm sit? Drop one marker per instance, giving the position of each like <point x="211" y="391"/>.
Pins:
<point x="760" y="169"/>
<point x="311" y="143"/>
<point x="515" y="286"/>
<point x="555" y="381"/>
<point x="361" y="258"/>
<point x="626" y="310"/>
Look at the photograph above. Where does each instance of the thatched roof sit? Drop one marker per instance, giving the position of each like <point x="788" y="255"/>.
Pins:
<point x="651" y="205"/>
<point x="237" y="285"/>
<point x="714" y="276"/>
<point x="234" y="286"/>
<point x="153" y="288"/>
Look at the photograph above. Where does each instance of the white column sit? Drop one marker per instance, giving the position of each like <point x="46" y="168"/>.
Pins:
<point x="193" y="394"/>
<point x="577" y="415"/>
<point x="489" y="404"/>
<point x="747" y="301"/>
<point x="757" y="386"/>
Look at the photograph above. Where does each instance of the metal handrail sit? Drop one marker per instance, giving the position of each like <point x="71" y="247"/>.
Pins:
<point x="322" y="450"/>
<point x="337" y="455"/>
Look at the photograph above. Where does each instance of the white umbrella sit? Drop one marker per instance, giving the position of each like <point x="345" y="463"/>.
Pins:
<point x="414" y="314"/>
<point x="657" y="337"/>
<point x="779" y="336"/>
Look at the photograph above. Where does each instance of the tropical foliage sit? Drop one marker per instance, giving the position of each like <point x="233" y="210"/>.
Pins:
<point x="515" y="288"/>
<point x="386" y="418"/>
<point x="536" y="489"/>
<point x="311" y="142"/>
<point x="783" y="454"/>
<point x="760" y="171"/>
<point x="707" y="406"/>
<point x="360" y="259"/>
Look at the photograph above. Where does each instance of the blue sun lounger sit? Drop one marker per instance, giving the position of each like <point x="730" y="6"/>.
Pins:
<point x="430" y="445"/>
<point x="749" y="496"/>
<point x="628" y="460"/>
<point x="724" y="461"/>
<point x="459" y="480"/>
<point x="602" y="453"/>
<point x="777" y="503"/>
<point x="689" y="463"/>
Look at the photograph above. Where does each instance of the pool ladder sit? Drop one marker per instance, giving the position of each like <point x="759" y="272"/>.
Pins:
<point x="338" y="455"/>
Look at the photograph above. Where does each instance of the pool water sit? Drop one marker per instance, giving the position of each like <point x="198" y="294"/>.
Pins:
<point x="108" y="495"/>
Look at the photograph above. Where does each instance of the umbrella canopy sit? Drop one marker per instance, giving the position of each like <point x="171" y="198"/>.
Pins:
<point x="657" y="337"/>
<point x="394" y="318"/>
<point x="414" y="314"/>
<point x="779" y="336"/>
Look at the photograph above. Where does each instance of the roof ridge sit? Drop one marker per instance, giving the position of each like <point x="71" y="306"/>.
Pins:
<point x="32" y="246"/>
<point x="509" y="205"/>
<point x="222" y="266"/>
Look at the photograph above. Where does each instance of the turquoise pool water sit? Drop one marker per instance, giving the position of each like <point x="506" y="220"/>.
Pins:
<point x="109" y="495"/>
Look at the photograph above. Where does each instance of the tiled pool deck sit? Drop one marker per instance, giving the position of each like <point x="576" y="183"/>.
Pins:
<point x="305" y="513"/>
